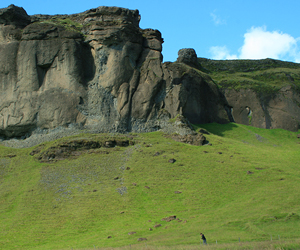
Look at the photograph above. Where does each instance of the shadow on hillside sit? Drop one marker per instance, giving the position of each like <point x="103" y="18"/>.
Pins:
<point x="216" y="128"/>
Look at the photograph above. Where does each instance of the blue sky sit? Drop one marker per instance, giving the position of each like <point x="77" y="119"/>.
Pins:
<point x="216" y="29"/>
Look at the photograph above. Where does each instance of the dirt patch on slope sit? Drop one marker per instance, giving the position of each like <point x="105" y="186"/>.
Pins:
<point x="74" y="148"/>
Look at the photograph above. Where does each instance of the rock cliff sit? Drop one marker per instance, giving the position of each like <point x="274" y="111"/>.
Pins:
<point x="100" y="71"/>
<point x="261" y="93"/>
<point x="96" y="70"/>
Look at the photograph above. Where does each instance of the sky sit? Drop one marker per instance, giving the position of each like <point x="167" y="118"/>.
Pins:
<point x="216" y="29"/>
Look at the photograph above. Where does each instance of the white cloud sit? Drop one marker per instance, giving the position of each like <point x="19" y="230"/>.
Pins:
<point x="217" y="19"/>
<point x="221" y="53"/>
<point x="259" y="44"/>
<point x="297" y="58"/>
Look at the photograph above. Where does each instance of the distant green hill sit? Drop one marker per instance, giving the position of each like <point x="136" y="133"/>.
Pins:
<point x="245" y="185"/>
<point x="264" y="76"/>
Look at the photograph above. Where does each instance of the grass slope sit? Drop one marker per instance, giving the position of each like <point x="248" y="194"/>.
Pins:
<point x="265" y="76"/>
<point x="79" y="202"/>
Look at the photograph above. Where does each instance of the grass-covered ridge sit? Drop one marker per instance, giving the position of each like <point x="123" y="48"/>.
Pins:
<point x="61" y="20"/>
<point x="265" y="76"/>
<point x="246" y="185"/>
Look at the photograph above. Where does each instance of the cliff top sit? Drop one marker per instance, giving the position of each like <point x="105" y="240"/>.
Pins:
<point x="265" y="76"/>
<point x="18" y="16"/>
<point x="244" y="65"/>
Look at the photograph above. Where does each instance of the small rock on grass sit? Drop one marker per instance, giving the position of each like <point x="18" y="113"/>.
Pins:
<point x="172" y="160"/>
<point x="142" y="239"/>
<point x="170" y="218"/>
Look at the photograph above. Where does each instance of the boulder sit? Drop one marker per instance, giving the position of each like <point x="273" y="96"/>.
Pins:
<point x="169" y="218"/>
<point x="13" y="15"/>
<point x="172" y="160"/>
<point x="193" y="139"/>
<point x="142" y="239"/>
<point x="188" y="56"/>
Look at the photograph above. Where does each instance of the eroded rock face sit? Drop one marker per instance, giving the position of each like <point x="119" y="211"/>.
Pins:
<point x="97" y="70"/>
<point x="278" y="111"/>
<point x="193" y="95"/>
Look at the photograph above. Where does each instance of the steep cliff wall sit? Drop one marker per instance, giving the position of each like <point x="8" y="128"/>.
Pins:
<point x="96" y="70"/>
<point x="278" y="111"/>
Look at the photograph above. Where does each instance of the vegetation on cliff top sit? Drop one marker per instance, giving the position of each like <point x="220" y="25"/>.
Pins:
<point x="243" y="186"/>
<point x="65" y="22"/>
<point x="265" y="76"/>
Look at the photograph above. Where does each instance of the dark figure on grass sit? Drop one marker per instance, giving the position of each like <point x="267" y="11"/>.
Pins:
<point x="203" y="238"/>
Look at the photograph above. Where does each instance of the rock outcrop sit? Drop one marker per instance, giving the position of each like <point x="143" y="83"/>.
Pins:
<point x="96" y="70"/>
<point x="100" y="71"/>
<point x="279" y="111"/>
<point x="261" y="93"/>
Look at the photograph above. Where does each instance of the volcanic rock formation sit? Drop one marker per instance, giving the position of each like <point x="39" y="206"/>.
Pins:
<point x="98" y="70"/>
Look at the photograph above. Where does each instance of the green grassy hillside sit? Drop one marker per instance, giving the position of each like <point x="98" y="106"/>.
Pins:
<point x="265" y="76"/>
<point x="245" y="185"/>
